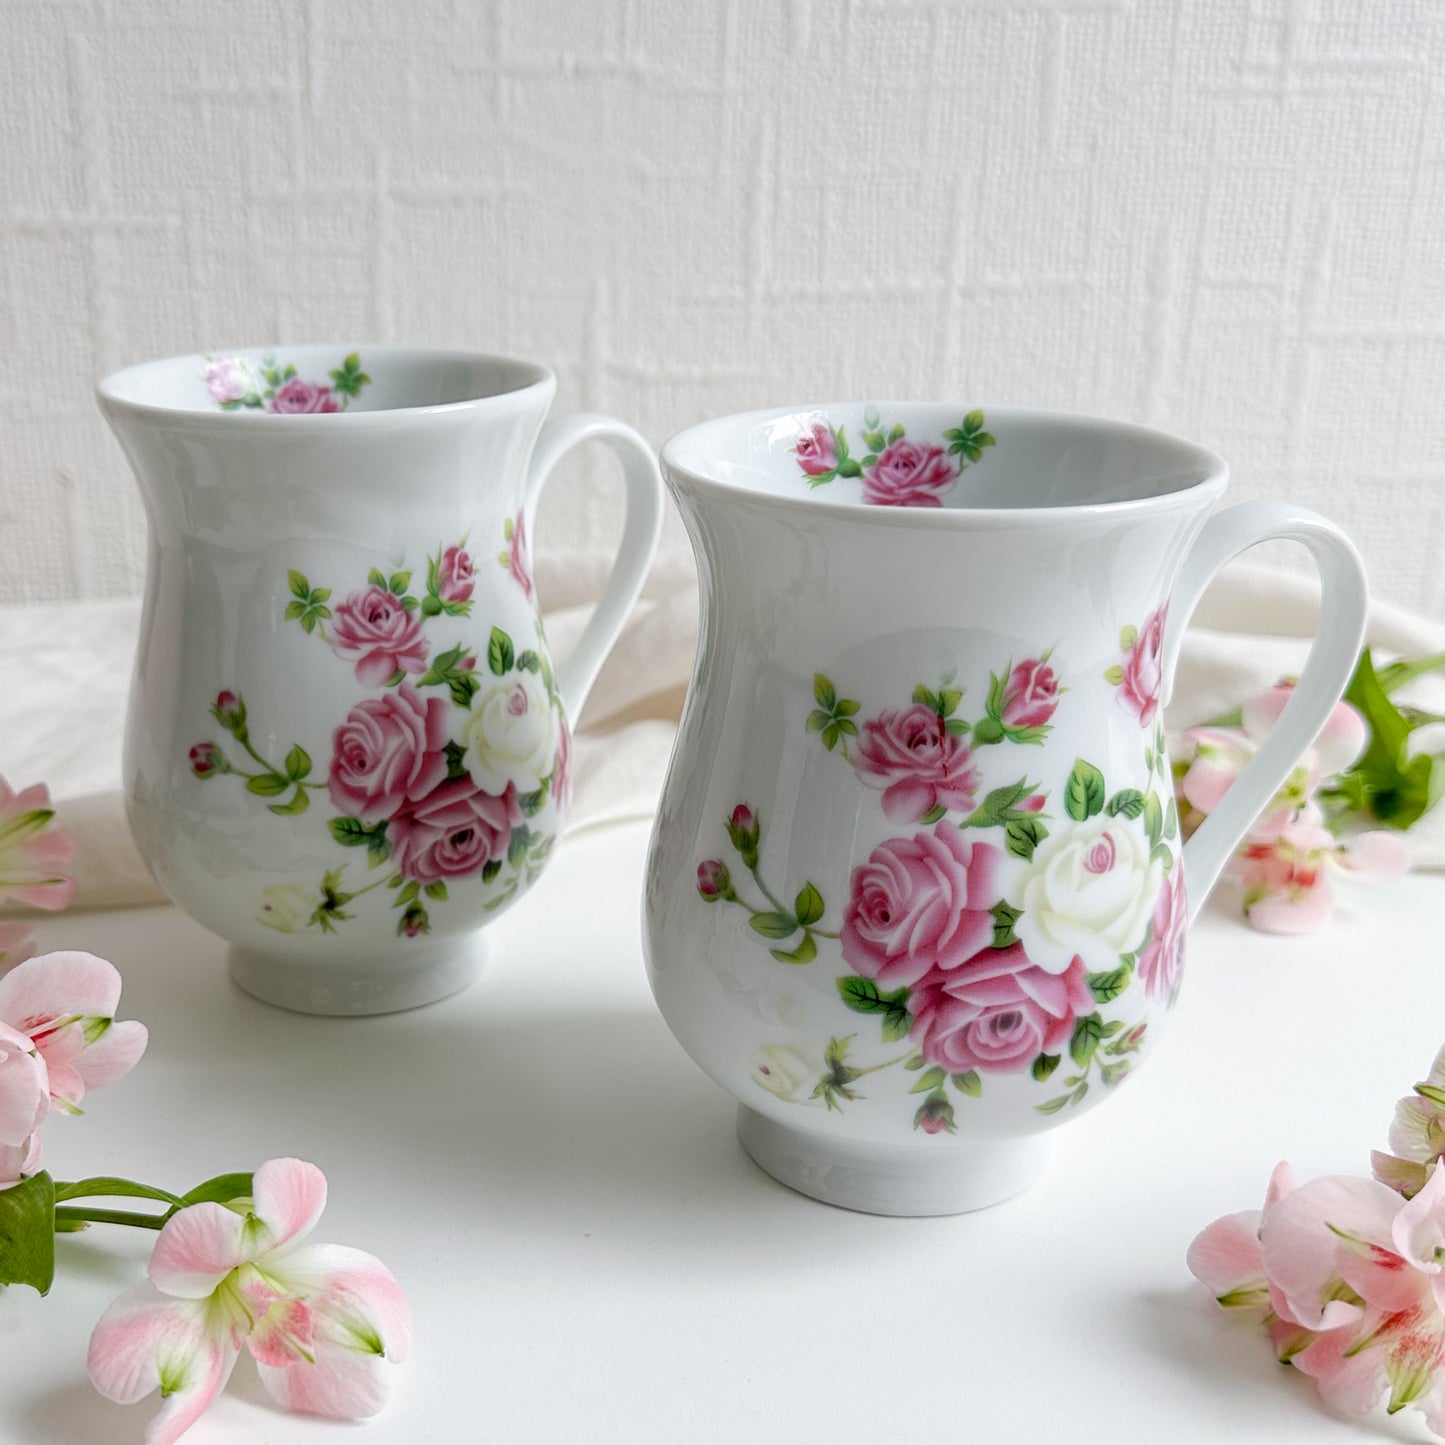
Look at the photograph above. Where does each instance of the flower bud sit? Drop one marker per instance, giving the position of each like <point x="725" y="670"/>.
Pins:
<point x="230" y="711"/>
<point x="935" y="1116"/>
<point x="713" y="881"/>
<point x="207" y="759"/>
<point x="744" y="831"/>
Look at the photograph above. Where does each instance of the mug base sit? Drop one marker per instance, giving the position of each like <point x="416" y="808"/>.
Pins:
<point x="345" y="988"/>
<point x="888" y="1179"/>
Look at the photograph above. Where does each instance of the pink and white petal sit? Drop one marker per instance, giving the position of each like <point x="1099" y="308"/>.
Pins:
<point x="1374" y="855"/>
<point x="1281" y="1183"/>
<point x="200" y="1245"/>
<point x="114" y="1054"/>
<point x="1418" y="1232"/>
<point x="1206" y="783"/>
<point x="145" y="1342"/>
<point x="56" y="985"/>
<point x="24" y="1087"/>
<point x="1296" y="912"/>
<point x="1404" y="1176"/>
<point x="289" y="1196"/>
<point x="1225" y="1257"/>
<point x="340" y="1384"/>
<point x="1301" y="1250"/>
<point x="356" y="1302"/>
<point x="18" y="1160"/>
<point x="1341" y="740"/>
<point x="1351" y="1384"/>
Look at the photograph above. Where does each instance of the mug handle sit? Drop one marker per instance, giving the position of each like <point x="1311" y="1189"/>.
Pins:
<point x="643" y="524"/>
<point x="1327" y="671"/>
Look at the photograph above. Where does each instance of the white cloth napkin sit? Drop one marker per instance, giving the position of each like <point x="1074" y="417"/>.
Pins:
<point x="68" y="669"/>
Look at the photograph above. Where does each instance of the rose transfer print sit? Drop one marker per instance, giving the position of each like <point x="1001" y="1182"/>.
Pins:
<point x="999" y="930"/>
<point x="437" y="778"/>
<point x="235" y="385"/>
<point x="896" y="470"/>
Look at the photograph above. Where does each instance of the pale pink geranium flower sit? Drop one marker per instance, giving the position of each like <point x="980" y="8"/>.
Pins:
<point x="65" y="1004"/>
<point x="319" y="1319"/>
<point x="1417" y="1135"/>
<point x="24" y="1103"/>
<point x="33" y="854"/>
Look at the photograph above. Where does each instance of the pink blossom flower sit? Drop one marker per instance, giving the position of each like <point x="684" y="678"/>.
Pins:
<point x="1226" y="1256"/>
<point x="1143" y="669"/>
<point x="1161" y="960"/>
<point x="205" y="759"/>
<point x="65" y="1004"/>
<point x="225" y="380"/>
<point x="1417" y="1135"/>
<point x="453" y="832"/>
<point x="997" y="1012"/>
<point x="297" y="396"/>
<point x="920" y="903"/>
<point x="319" y="1319"/>
<point x="454" y="576"/>
<point x="918" y="763"/>
<point x="33" y="853"/>
<point x="373" y="627"/>
<point x="713" y="879"/>
<point x="816" y="450"/>
<point x="24" y="1102"/>
<point x="517" y="563"/>
<point x="388" y="752"/>
<point x="908" y="474"/>
<point x="1030" y="696"/>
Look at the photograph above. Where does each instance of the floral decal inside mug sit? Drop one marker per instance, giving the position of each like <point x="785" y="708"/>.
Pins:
<point x="439" y="775"/>
<point x="897" y="471"/>
<point x="978" y="975"/>
<point x="235" y="384"/>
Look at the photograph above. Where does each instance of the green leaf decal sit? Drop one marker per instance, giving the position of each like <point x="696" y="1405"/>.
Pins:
<point x="1106" y="987"/>
<point x="773" y="925"/>
<point x="1084" y="792"/>
<point x="500" y="653"/>
<point x="863" y="996"/>
<point x="1088" y="1031"/>
<point x="808" y="906"/>
<point x="298" y="584"/>
<point x="1044" y="1066"/>
<point x="298" y="763"/>
<point x="805" y="952"/>
<point x="267" y="785"/>
<point x="1004" y="918"/>
<point x="1153" y="818"/>
<point x="824" y="694"/>
<point x="1023" y="835"/>
<point x="969" y="1084"/>
<point x="1128" y="801"/>
<point x="927" y="1082"/>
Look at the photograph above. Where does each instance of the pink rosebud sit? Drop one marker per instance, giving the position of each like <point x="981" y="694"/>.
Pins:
<point x="414" y="922"/>
<point x="1034" y="803"/>
<point x="743" y="819"/>
<point x="454" y="576"/>
<point x="713" y="880"/>
<point x="1030" y="696"/>
<point x="297" y="396"/>
<point x="205" y="759"/>
<point x="816" y="450"/>
<point x="908" y="474"/>
<point x="1142" y="672"/>
<point x="229" y="710"/>
<point x="517" y="563"/>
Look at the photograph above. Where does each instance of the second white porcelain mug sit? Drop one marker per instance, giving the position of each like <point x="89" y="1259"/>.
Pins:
<point x="917" y="892"/>
<point x="347" y="745"/>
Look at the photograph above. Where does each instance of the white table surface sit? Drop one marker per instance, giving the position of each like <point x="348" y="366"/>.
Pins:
<point x="591" y="1257"/>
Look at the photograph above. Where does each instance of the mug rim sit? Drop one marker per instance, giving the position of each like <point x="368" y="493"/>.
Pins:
<point x="532" y="377"/>
<point x="1208" y="488"/>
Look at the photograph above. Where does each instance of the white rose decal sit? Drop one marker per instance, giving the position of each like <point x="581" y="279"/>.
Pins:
<point x="1089" y="893"/>
<point x="510" y="735"/>
<point x="285" y="907"/>
<point x="790" y="1071"/>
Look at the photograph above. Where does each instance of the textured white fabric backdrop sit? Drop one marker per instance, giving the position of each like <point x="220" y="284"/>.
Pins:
<point x="1225" y="217"/>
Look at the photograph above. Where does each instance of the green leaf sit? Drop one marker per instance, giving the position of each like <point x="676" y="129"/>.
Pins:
<point x="849" y="468"/>
<point x="1114" y="675"/>
<point x="824" y="693"/>
<point x="805" y="952"/>
<point x="298" y="804"/>
<point x="500" y="654"/>
<point x="1128" y="636"/>
<point x="1160" y="853"/>
<point x="517" y="846"/>
<point x="831" y="734"/>
<point x="948" y="701"/>
<point x="973" y="421"/>
<point x="925" y="697"/>
<point x="1004" y="918"/>
<point x="462" y="686"/>
<point x="1397" y="788"/>
<point x="846" y="707"/>
<point x="773" y="925"/>
<point x="1023" y="835"/>
<point x="895" y="433"/>
<point x="298" y="583"/>
<point x="1153" y="818"/>
<point x="267" y="785"/>
<point x="968" y="1083"/>
<point x="27" y="1233"/>
<point x="933" y="815"/>
<point x="927" y="1082"/>
<point x="532" y="803"/>
<point x="298" y="763"/>
<point x="914" y="1063"/>
<point x="352" y="832"/>
<point x="1053" y="1106"/>
<point x="399" y="582"/>
<point x="491" y="869"/>
<point x="528" y="661"/>
<point x="808" y="906"/>
<point x="106" y="1186"/>
<point x="1128" y="801"/>
<point x="1044" y="1066"/>
<point x="1106" y="987"/>
<point x="377" y="578"/>
<point x="1084" y="792"/>
<point x="1088" y="1031"/>
<point x="863" y="996"/>
<point x="294" y="610"/>
<point x="220" y="1190"/>
<point x="437" y="890"/>
<point x="817" y="720"/>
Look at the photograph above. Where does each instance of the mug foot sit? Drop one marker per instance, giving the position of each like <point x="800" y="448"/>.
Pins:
<point x="351" y="987"/>
<point x="891" y="1179"/>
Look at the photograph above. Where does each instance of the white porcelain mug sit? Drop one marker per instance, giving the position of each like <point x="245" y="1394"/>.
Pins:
<point x="917" y="891"/>
<point x="347" y="745"/>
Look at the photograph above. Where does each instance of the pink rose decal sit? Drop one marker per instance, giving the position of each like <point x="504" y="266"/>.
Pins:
<point x="384" y="638"/>
<point x="1030" y="696"/>
<point x="296" y="396"/>
<point x="998" y="1012"/>
<point x="454" y="576"/>
<point x="1161" y="960"/>
<point x="920" y="903"/>
<point x="388" y="752"/>
<point x="225" y="380"/>
<point x="562" y="769"/>
<point x="816" y="450"/>
<point x="1142" y="673"/>
<point x="453" y="832"/>
<point x="517" y="563"/>
<point x="908" y="474"/>
<point x="918" y="763"/>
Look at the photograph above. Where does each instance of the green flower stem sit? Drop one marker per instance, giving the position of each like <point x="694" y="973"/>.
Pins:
<point x="68" y="1216"/>
<point x="822" y="932"/>
<point x="768" y="892"/>
<point x="380" y="882"/>
<point x="873" y="1068"/>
